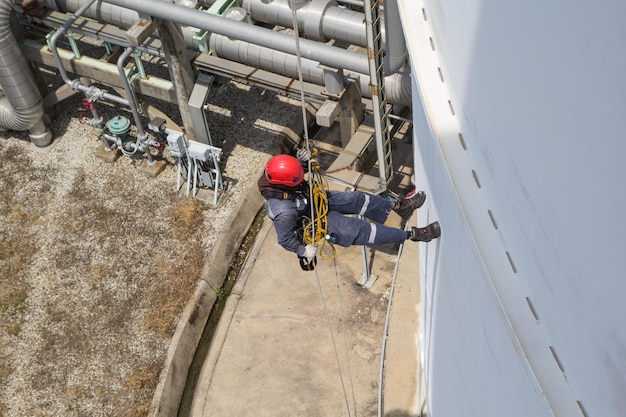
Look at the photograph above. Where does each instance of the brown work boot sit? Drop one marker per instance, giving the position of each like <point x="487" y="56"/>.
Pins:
<point x="410" y="203"/>
<point x="425" y="234"/>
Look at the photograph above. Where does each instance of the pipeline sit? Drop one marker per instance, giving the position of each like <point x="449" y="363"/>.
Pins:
<point x="397" y="85"/>
<point x="323" y="20"/>
<point x="251" y="45"/>
<point x="21" y="107"/>
<point x="93" y="93"/>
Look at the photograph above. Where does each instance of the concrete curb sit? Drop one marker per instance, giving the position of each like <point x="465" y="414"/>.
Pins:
<point x="169" y="391"/>
<point x="219" y="336"/>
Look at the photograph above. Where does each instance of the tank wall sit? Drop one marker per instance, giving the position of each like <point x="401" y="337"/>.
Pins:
<point x="538" y="92"/>
<point x="472" y="363"/>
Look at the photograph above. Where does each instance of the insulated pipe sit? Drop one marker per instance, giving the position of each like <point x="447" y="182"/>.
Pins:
<point x="249" y="53"/>
<point x="323" y="20"/>
<point x="22" y="106"/>
<point x="286" y="64"/>
<point x="320" y="20"/>
<point x="325" y="54"/>
<point x="102" y="12"/>
<point x="396" y="54"/>
<point x="124" y="13"/>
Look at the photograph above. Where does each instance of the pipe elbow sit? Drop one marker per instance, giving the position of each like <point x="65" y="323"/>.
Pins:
<point x="398" y="88"/>
<point x="19" y="118"/>
<point x="21" y="107"/>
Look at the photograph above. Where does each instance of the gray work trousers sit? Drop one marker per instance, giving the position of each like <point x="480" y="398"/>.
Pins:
<point x="356" y="231"/>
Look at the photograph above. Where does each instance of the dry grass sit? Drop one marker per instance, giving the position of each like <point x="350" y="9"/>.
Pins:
<point x="141" y="384"/>
<point x="16" y="250"/>
<point x="176" y="278"/>
<point x="122" y="266"/>
<point x="97" y="261"/>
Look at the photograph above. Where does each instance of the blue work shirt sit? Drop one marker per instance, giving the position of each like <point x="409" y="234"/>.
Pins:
<point x="286" y="215"/>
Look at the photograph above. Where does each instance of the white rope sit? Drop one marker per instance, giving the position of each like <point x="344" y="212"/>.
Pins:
<point x="386" y="331"/>
<point x="296" y="33"/>
<point x="332" y="336"/>
<point x="343" y="331"/>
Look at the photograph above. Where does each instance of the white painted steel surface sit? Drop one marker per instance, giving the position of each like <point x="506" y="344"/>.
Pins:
<point x="523" y="294"/>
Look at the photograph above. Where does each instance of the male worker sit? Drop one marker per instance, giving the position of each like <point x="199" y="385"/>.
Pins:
<point x="286" y="202"/>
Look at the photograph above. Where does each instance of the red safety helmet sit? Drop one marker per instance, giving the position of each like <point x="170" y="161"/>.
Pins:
<point x="284" y="170"/>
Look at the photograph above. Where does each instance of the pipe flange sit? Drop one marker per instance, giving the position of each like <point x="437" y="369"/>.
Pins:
<point x="315" y="12"/>
<point x="42" y="139"/>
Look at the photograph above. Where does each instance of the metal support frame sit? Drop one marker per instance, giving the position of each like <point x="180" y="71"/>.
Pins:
<point x="367" y="279"/>
<point x="212" y="178"/>
<point x="379" y="102"/>
<point x="178" y="149"/>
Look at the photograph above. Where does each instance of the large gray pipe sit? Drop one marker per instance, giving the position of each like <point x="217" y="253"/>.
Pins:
<point x="22" y="106"/>
<point x="250" y="53"/>
<point x="102" y="12"/>
<point x="396" y="55"/>
<point x="397" y="86"/>
<point x="325" y="54"/>
<point x="323" y="20"/>
<point x="317" y="19"/>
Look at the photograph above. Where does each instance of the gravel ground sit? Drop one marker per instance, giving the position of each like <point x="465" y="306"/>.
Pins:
<point x="97" y="260"/>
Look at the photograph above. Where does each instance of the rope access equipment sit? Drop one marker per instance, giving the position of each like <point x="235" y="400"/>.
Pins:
<point x="319" y="225"/>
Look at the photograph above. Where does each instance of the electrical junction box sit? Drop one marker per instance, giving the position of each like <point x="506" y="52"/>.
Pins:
<point x="176" y="142"/>
<point x="199" y="151"/>
<point x="157" y="124"/>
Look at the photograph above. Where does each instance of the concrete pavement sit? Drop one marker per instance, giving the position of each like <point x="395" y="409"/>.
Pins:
<point x="273" y="354"/>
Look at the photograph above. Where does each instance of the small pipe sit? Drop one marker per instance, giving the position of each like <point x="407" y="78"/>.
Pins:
<point x="92" y="92"/>
<point x="136" y="146"/>
<point x="141" y="134"/>
<point x="195" y="177"/>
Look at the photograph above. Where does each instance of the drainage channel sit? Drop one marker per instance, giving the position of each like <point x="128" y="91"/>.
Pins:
<point x="216" y="312"/>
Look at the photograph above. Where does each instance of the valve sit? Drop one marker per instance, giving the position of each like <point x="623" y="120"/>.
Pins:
<point x="119" y="127"/>
<point x="87" y="104"/>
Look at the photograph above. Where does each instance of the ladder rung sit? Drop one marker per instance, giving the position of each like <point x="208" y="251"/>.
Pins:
<point x="377" y="41"/>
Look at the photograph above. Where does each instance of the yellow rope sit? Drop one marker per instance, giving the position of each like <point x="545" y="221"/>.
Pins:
<point x="317" y="230"/>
